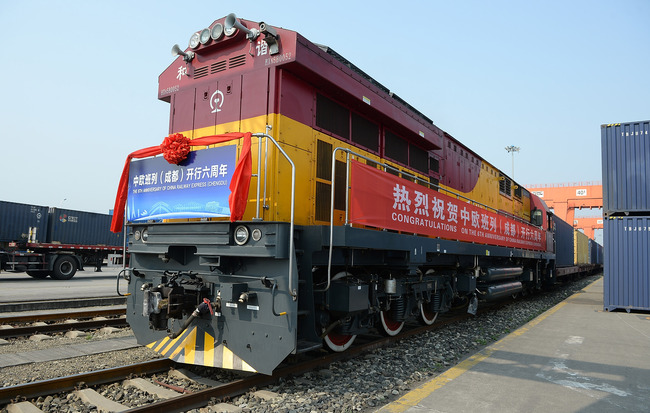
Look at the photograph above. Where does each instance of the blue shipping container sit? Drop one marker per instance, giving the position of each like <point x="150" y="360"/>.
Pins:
<point x="626" y="167"/>
<point x="16" y="219"/>
<point x="627" y="263"/>
<point x="67" y="226"/>
<point x="564" y="256"/>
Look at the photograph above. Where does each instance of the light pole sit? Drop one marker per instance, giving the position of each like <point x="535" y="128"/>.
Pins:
<point x="512" y="149"/>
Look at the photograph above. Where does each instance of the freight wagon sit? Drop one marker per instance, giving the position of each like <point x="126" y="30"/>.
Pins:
<point x="575" y="253"/>
<point x="44" y="241"/>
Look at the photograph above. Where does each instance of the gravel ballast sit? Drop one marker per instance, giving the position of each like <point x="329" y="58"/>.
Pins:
<point x="362" y="384"/>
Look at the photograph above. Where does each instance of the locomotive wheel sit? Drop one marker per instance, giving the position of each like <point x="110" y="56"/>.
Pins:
<point x="427" y="317"/>
<point x="65" y="268"/>
<point x="338" y="342"/>
<point x="390" y="327"/>
<point x="37" y="274"/>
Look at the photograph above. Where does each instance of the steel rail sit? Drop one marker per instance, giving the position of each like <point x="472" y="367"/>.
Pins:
<point x="62" y="316"/>
<point x="61" y="384"/>
<point x="62" y="327"/>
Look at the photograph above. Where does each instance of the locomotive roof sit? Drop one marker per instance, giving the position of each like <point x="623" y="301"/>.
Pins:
<point x="298" y="54"/>
<point x="370" y="79"/>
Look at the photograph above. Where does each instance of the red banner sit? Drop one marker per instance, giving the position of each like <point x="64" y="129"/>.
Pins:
<point x="383" y="200"/>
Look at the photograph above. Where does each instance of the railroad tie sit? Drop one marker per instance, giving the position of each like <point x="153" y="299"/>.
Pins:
<point x="23" y="407"/>
<point x="151" y="388"/>
<point x="184" y="374"/>
<point x="103" y="404"/>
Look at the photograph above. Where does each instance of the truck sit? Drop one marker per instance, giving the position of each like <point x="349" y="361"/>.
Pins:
<point x="48" y="241"/>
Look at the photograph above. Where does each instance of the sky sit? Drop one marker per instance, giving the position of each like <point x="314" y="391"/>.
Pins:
<point x="79" y="79"/>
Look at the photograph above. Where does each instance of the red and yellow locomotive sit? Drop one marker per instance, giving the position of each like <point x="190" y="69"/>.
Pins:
<point x="357" y="212"/>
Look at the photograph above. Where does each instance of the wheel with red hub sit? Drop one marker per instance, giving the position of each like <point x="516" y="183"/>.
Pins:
<point x="389" y="326"/>
<point x="339" y="342"/>
<point x="427" y="317"/>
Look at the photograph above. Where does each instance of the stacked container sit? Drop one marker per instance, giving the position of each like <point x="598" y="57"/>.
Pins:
<point x="626" y="207"/>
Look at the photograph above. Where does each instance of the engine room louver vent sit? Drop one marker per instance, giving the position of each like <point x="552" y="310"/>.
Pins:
<point x="237" y="61"/>
<point x="218" y="67"/>
<point x="200" y="72"/>
<point x="505" y="185"/>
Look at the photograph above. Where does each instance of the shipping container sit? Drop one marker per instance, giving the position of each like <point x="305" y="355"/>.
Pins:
<point x="601" y="255"/>
<point x="593" y="252"/>
<point x="564" y="256"/>
<point x="626" y="167"/>
<point x="78" y="227"/>
<point x="627" y="263"/>
<point x="580" y="248"/>
<point x="16" y="220"/>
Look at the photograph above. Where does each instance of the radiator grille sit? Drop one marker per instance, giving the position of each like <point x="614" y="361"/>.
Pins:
<point x="218" y="67"/>
<point x="200" y="72"/>
<point x="237" y="61"/>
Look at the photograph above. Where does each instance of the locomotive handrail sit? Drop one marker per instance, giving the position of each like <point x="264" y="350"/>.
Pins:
<point x="386" y="167"/>
<point x="259" y="170"/>
<point x="292" y="290"/>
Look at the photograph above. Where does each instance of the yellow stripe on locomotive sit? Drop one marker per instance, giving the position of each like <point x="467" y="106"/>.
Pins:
<point x="197" y="346"/>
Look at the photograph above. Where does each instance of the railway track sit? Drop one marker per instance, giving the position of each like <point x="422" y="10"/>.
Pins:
<point x="23" y="325"/>
<point x="180" y="400"/>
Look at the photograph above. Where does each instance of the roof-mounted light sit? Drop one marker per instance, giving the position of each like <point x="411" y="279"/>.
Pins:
<point x="204" y="37"/>
<point x="195" y="40"/>
<point x="217" y="32"/>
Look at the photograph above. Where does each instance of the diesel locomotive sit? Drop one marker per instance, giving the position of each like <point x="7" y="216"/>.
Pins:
<point x="317" y="205"/>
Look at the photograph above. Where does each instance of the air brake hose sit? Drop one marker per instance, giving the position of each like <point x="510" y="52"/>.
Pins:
<point x="203" y="308"/>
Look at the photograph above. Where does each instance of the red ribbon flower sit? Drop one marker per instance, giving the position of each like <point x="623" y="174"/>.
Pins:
<point x="175" y="148"/>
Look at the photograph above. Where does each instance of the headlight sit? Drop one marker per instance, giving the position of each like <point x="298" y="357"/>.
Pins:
<point x="257" y="234"/>
<point x="195" y="40"/>
<point x="204" y="37"/>
<point x="145" y="235"/>
<point x="241" y="235"/>
<point x="136" y="235"/>
<point x="217" y="32"/>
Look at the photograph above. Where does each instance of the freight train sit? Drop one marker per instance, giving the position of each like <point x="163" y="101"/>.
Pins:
<point x="323" y="206"/>
<point x="46" y="241"/>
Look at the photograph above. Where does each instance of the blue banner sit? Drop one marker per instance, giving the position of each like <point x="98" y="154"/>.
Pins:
<point x="198" y="187"/>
